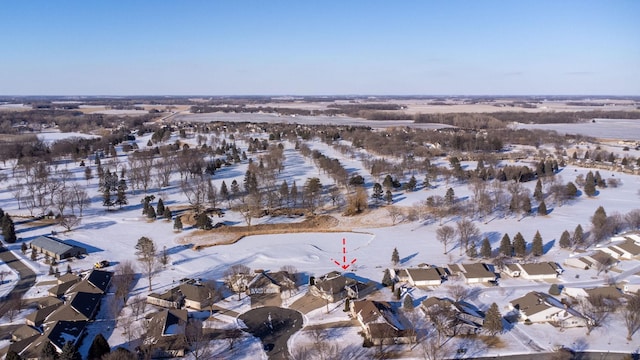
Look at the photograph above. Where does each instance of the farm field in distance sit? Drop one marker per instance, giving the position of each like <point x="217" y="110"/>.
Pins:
<point x="359" y="224"/>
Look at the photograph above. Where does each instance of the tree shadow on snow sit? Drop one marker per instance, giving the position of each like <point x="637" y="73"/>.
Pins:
<point x="407" y="258"/>
<point x="548" y="246"/>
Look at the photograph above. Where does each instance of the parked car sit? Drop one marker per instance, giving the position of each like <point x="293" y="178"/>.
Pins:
<point x="101" y="264"/>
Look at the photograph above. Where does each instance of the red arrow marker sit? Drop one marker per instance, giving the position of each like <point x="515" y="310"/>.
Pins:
<point x="345" y="265"/>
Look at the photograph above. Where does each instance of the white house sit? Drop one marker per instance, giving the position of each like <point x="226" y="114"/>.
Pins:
<point x="512" y="270"/>
<point x="476" y="273"/>
<point x="539" y="271"/>
<point x="422" y="277"/>
<point x="538" y="307"/>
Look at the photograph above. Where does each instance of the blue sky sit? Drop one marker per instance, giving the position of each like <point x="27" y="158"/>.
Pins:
<point x="319" y="47"/>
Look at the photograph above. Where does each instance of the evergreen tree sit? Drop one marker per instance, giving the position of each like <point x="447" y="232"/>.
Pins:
<point x="69" y="352"/>
<point x="106" y="198"/>
<point x="160" y="207"/>
<point x="12" y="355"/>
<point x="426" y="182"/>
<point x="395" y="257"/>
<point x="537" y="194"/>
<point x="51" y="271"/>
<point x="472" y="251"/>
<point x="536" y="245"/>
<point x="224" y="191"/>
<point x="599" y="229"/>
<point x="167" y="213"/>
<point x="542" y="208"/>
<point x="411" y="184"/>
<point x="293" y="194"/>
<point x="590" y="185"/>
<point x="450" y="197"/>
<point x="23" y="248"/>
<point x="177" y="223"/>
<point x="378" y="192"/>
<point x="525" y="207"/>
<point x="493" y="320"/>
<point x="485" y="248"/>
<point x="519" y="245"/>
<point x="386" y="278"/>
<point x="203" y="222"/>
<point x="571" y="191"/>
<point x="284" y="192"/>
<point x="69" y="271"/>
<point x="578" y="236"/>
<point x="506" y="248"/>
<point x="164" y="256"/>
<point x="48" y="352"/>
<point x="235" y="188"/>
<point x="121" y="194"/>
<point x="407" y="304"/>
<point x="388" y="197"/>
<point x="151" y="213"/>
<point x="599" y="180"/>
<point x="34" y="255"/>
<point x="8" y="229"/>
<point x="387" y="182"/>
<point x="398" y="293"/>
<point x="565" y="240"/>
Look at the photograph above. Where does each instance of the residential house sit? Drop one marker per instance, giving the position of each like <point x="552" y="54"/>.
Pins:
<point x="57" y="334"/>
<point x="191" y="295"/>
<point x="197" y="297"/>
<point x="624" y="250"/>
<point x="596" y="260"/>
<point x="463" y="318"/>
<point x="472" y="273"/>
<point x="537" y="307"/>
<point x="24" y="332"/>
<point x="421" y="276"/>
<point x="166" y="335"/>
<point x="64" y="283"/>
<point x="379" y="323"/>
<point x="95" y="282"/>
<point x="81" y="307"/>
<point x="56" y="248"/>
<point x="512" y="270"/>
<point x="270" y="283"/>
<point x="37" y="318"/>
<point x="334" y="287"/>
<point x="540" y="271"/>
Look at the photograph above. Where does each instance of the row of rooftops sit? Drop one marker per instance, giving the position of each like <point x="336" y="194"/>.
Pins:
<point x="63" y="315"/>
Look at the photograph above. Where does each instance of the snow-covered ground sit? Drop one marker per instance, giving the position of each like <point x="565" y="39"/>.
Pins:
<point x="370" y="239"/>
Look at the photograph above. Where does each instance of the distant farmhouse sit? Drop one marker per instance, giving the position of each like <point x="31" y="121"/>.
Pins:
<point x="56" y="248"/>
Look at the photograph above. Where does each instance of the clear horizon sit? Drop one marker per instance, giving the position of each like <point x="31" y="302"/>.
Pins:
<point x="252" y="48"/>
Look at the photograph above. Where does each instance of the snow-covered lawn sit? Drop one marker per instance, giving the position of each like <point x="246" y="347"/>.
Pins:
<point x="370" y="239"/>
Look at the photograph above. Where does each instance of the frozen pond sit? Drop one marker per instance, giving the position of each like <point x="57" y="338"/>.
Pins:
<point x="601" y="128"/>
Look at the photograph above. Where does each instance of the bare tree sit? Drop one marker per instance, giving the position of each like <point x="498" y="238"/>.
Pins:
<point x="198" y="340"/>
<point x="14" y="306"/>
<point x="232" y="337"/>
<point x="633" y="219"/>
<point x="148" y="257"/>
<point x="597" y="309"/>
<point x="631" y="315"/>
<point x="233" y="277"/>
<point x="394" y="213"/>
<point x="138" y="306"/>
<point x="433" y="349"/>
<point x="123" y="279"/>
<point x="69" y="221"/>
<point x="79" y="198"/>
<point x="445" y="235"/>
<point x="458" y="292"/>
<point x="467" y="233"/>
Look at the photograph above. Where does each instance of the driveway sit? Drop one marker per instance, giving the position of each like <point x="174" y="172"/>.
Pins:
<point x="27" y="276"/>
<point x="274" y="326"/>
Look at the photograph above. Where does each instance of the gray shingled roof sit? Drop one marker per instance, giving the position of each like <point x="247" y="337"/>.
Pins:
<point x="53" y="245"/>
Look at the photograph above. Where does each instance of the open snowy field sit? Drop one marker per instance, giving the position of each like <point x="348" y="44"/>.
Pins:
<point x="370" y="239"/>
<point x="621" y="129"/>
